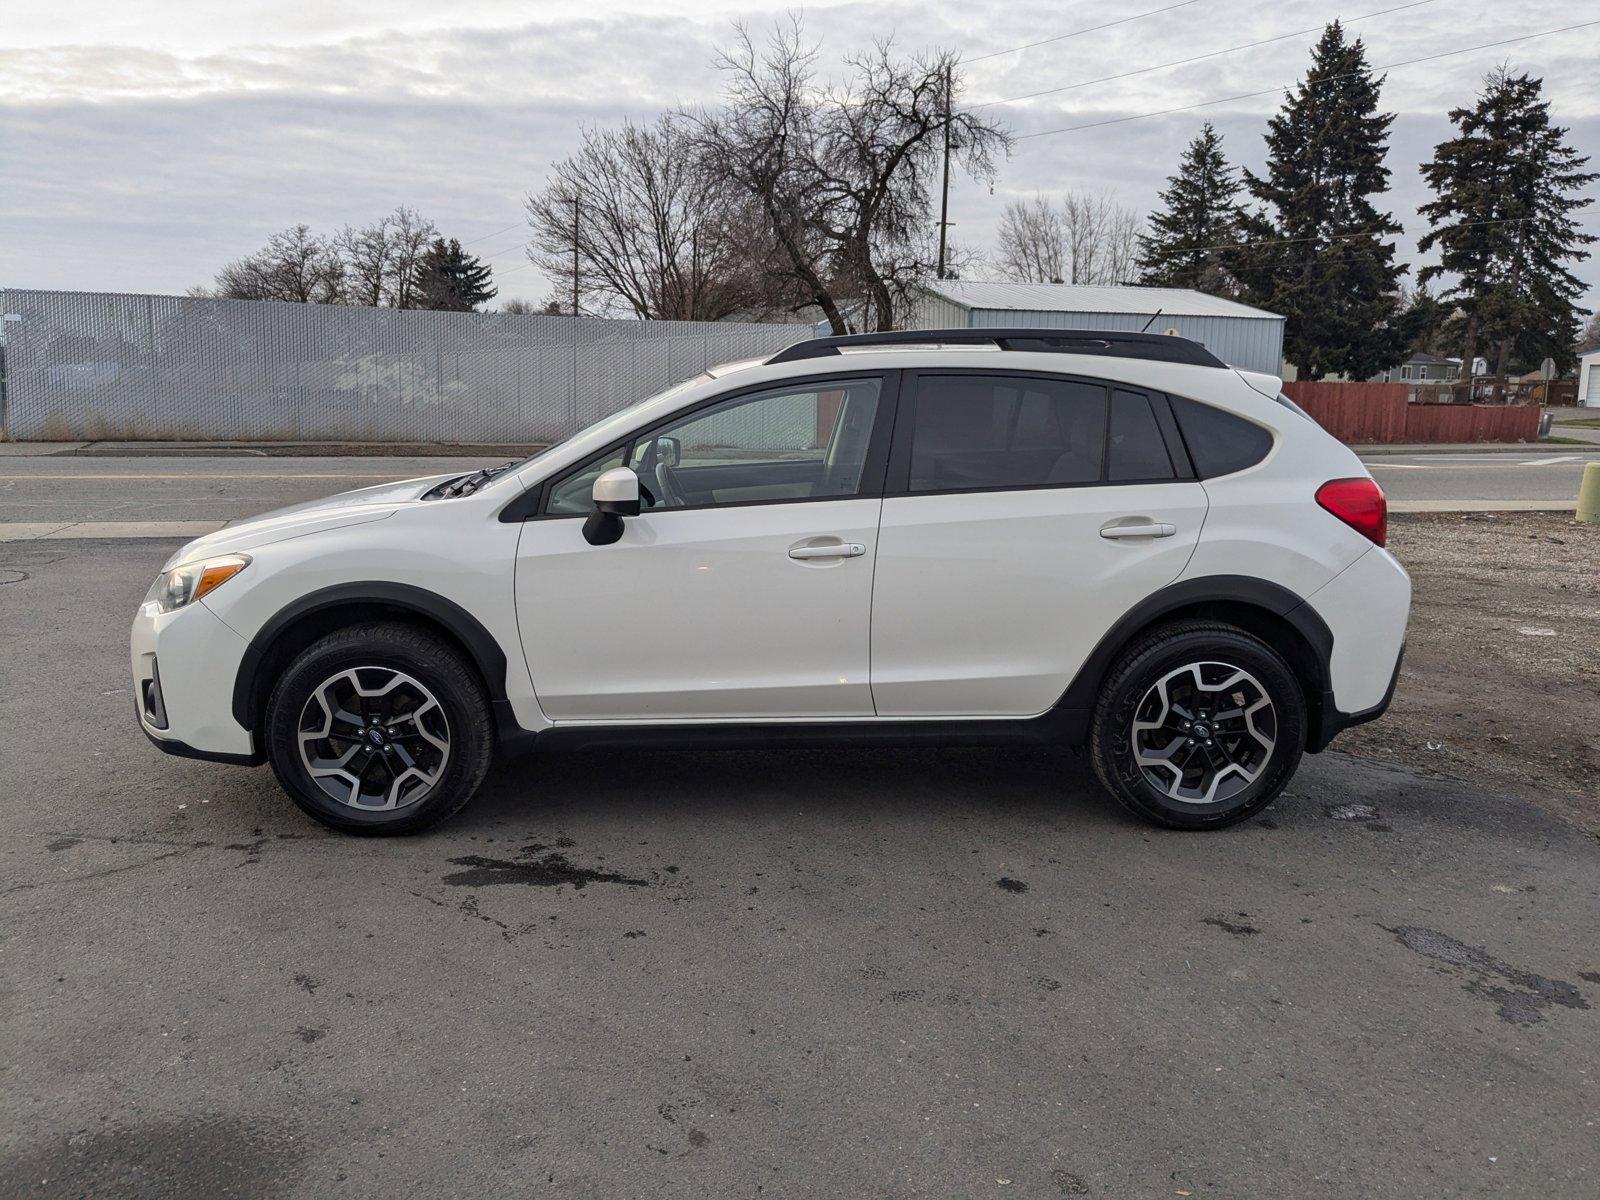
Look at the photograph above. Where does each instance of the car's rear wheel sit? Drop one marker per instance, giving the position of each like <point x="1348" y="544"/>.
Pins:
<point x="379" y="729"/>
<point x="1199" y="725"/>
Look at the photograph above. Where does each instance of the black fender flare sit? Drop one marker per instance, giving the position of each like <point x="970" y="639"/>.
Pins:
<point x="486" y="653"/>
<point x="1081" y="694"/>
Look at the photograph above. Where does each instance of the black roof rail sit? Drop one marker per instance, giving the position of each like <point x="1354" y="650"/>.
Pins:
<point x="1152" y="347"/>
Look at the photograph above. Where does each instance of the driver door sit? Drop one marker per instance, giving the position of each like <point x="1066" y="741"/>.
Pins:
<point x="742" y="590"/>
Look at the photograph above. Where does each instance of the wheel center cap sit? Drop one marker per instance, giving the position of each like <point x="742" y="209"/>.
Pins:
<point x="375" y="736"/>
<point x="1201" y="729"/>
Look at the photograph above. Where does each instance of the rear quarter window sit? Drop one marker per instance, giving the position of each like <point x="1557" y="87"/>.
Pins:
<point x="1219" y="443"/>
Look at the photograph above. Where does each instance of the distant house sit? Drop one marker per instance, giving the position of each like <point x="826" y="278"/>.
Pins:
<point x="1250" y="338"/>
<point x="1589" y="379"/>
<point x="1421" y="367"/>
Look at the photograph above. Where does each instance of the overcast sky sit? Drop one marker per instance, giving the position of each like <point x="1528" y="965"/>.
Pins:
<point x="144" y="143"/>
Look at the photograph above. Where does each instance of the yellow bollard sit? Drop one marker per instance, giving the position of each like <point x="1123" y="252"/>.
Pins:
<point x="1589" y="493"/>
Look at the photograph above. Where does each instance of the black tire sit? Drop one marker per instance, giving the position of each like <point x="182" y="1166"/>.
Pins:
<point x="385" y="647"/>
<point x="1155" y="657"/>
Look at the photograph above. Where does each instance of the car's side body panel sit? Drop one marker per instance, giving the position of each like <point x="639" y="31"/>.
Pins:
<point x="455" y="550"/>
<point x="699" y="613"/>
<point x="986" y="604"/>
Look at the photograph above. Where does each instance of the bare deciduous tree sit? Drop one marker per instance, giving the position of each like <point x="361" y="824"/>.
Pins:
<point x="368" y="257"/>
<point x="295" y="266"/>
<point x="843" y="173"/>
<point x="1031" y="245"/>
<point x="1085" y="238"/>
<point x="656" y="233"/>
<point x="410" y="235"/>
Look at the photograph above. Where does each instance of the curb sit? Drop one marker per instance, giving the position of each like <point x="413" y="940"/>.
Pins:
<point x="1412" y="450"/>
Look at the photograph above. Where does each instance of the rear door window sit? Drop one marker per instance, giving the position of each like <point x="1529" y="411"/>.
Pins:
<point x="989" y="432"/>
<point x="1136" y="451"/>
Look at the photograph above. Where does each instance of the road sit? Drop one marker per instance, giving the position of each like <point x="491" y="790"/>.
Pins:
<point x="799" y="974"/>
<point x="1486" y="475"/>
<point x="53" y="491"/>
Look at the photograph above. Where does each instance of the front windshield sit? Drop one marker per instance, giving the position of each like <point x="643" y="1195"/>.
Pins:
<point x="617" y="419"/>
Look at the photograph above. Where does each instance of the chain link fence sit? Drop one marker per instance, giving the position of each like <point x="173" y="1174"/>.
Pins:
<point x="93" y="366"/>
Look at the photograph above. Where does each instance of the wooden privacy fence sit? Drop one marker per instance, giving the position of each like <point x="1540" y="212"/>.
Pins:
<point x="1379" y="412"/>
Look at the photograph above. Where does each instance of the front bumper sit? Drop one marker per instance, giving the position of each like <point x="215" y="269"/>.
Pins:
<point x="184" y="664"/>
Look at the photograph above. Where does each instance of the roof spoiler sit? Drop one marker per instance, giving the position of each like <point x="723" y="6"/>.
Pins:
<point x="1152" y="347"/>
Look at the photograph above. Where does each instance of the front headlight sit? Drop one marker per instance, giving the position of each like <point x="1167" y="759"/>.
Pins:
<point x="183" y="585"/>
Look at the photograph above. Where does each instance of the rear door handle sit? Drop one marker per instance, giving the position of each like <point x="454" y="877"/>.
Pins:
<point x="1148" y="529"/>
<point x="836" y="550"/>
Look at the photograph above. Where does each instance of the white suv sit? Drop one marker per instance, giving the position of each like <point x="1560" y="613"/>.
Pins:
<point x="1052" y="537"/>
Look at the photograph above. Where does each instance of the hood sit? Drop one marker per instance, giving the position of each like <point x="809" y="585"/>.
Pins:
<point x="314" y="516"/>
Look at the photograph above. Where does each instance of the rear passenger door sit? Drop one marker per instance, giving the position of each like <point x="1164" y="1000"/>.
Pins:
<point x="1024" y="514"/>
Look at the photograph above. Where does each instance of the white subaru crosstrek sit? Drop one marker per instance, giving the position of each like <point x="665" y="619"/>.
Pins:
<point x="1061" y="538"/>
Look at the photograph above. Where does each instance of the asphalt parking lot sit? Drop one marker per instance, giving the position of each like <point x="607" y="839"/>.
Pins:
<point x="650" y="974"/>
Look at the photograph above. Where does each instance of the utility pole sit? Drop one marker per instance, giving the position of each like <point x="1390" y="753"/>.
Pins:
<point x="577" y="215"/>
<point x="944" y="191"/>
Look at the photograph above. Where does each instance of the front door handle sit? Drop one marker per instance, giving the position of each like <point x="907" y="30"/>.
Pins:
<point x="836" y="550"/>
<point x="1147" y="529"/>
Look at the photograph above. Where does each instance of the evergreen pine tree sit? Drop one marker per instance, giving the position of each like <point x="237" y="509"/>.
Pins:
<point x="451" y="280"/>
<point x="1194" y="233"/>
<point x="1506" y="186"/>
<point x="1321" y="258"/>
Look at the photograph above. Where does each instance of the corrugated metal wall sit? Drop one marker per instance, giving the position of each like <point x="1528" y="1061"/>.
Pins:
<point x="935" y="312"/>
<point x="89" y="365"/>
<point x="1254" y="344"/>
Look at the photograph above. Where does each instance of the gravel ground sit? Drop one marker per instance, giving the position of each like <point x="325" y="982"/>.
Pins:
<point x="1501" y="685"/>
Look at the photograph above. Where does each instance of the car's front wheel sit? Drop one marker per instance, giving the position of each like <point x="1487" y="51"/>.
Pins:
<point x="379" y="729"/>
<point x="1199" y="725"/>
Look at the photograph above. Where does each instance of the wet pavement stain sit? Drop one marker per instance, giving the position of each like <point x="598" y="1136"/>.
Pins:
<point x="213" y="1156"/>
<point x="1011" y="885"/>
<point x="66" y="843"/>
<point x="552" y="870"/>
<point x="1520" y="1004"/>
<point x="308" y="1035"/>
<point x="1231" y="927"/>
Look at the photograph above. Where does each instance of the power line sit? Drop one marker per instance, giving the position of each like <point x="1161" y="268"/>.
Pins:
<point x="1182" y="62"/>
<point x="1061" y="37"/>
<point x="495" y="234"/>
<point x="1341" y="237"/>
<point x="1272" y="91"/>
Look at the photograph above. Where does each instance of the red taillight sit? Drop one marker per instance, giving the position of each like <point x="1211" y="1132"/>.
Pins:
<point x="1360" y="504"/>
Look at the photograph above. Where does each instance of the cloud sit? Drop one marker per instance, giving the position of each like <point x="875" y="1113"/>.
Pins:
<point x="147" y="159"/>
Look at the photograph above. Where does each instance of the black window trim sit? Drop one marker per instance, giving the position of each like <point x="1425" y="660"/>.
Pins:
<point x="899" y="473"/>
<point x="872" y="469"/>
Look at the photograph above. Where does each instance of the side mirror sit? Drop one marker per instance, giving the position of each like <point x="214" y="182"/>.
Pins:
<point x="617" y="491"/>
<point x="615" y="495"/>
<point x="669" y="451"/>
